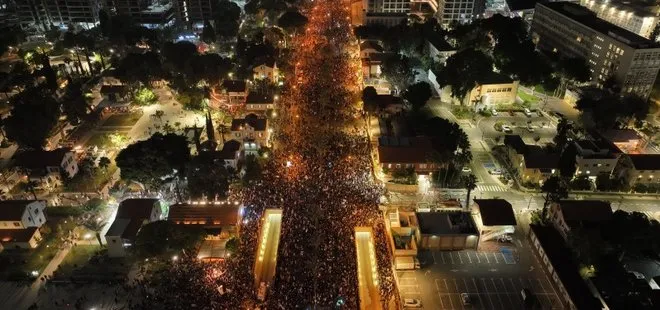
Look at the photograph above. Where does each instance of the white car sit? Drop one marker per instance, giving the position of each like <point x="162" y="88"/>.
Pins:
<point x="412" y="303"/>
<point x="493" y="112"/>
<point x="465" y="298"/>
<point x="506" y="128"/>
<point x="528" y="112"/>
<point x="530" y="128"/>
<point x="466" y="169"/>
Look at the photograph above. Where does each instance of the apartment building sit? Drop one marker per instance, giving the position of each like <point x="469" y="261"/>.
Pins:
<point x="41" y="14"/>
<point x="594" y="158"/>
<point x="194" y="12"/>
<point x="574" y="31"/>
<point x="148" y="13"/>
<point x="390" y="12"/>
<point x="455" y="11"/>
<point x="638" y="19"/>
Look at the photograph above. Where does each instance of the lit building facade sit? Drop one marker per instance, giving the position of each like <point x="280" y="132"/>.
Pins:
<point x="455" y="11"/>
<point x="148" y="13"/>
<point x="640" y="20"/>
<point x="41" y="14"/>
<point x="612" y="52"/>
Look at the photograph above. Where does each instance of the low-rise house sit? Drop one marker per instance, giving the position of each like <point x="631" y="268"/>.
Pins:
<point x="406" y="152"/>
<point x="234" y="91"/>
<point x="218" y="221"/>
<point x="132" y="214"/>
<point x="445" y="230"/>
<point x="495" y="218"/>
<point x="47" y="168"/>
<point x="531" y="164"/>
<point x="627" y="140"/>
<point x="370" y="47"/>
<point x="257" y="102"/>
<point x="491" y="90"/>
<point x="594" y="158"/>
<point x="20" y="221"/>
<point x="266" y="69"/>
<point x="645" y="169"/>
<point x="555" y="256"/>
<point x="570" y="214"/>
<point x="252" y="131"/>
<point x="438" y="49"/>
<point x="371" y="65"/>
<point x="229" y="154"/>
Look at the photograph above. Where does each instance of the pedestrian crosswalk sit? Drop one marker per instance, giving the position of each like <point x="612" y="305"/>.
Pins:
<point x="491" y="188"/>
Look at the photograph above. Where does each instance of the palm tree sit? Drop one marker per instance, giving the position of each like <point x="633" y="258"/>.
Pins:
<point x="95" y="226"/>
<point x="31" y="187"/>
<point x="104" y="163"/>
<point x="223" y="129"/>
<point x="470" y="183"/>
<point x="555" y="190"/>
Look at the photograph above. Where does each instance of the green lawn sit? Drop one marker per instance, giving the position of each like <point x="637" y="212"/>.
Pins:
<point x="64" y="211"/>
<point x="123" y="119"/>
<point x="99" y="139"/>
<point x="78" y="257"/>
<point x="19" y="263"/>
<point x="462" y="112"/>
<point x="527" y="97"/>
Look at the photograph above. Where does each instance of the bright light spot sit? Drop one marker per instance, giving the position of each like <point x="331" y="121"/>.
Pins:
<point x="87" y="236"/>
<point x="175" y="258"/>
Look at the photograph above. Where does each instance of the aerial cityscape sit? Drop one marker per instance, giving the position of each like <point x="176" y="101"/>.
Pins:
<point x="329" y="154"/>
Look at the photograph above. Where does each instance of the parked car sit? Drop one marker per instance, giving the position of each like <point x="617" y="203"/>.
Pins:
<point x="465" y="299"/>
<point x="466" y="169"/>
<point x="412" y="303"/>
<point x="507" y="129"/>
<point x="495" y="171"/>
<point x="494" y="112"/>
<point x="530" y="128"/>
<point x="512" y="113"/>
<point x="528" y="112"/>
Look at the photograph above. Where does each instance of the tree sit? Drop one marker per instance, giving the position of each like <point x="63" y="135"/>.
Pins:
<point x="418" y="94"/>
<point x="463" y="71"/>
<point x="47" y="72"/>
<point x="209" y="177"/>
<point x="369" y="99"/>
<point x="105" y="23"/>
<point x="153" y="160"/>
<point x="140" y="68"/>
<point x="34" y="115"/>
<point x="581" y="183"/>
<point x="104" y="163"/>
<point x="232" y="245"/>
<point x="208" y="33"/>
<point x="292" y="21"/>
<point x="561" y="138"/>
<point x="95" y="206"/>
<point x="555" y="190"/>
<point x="74" y="104"/>
<point x="607" y="110"/>
<point x="87" y="166"/>
<point x="470" y="183"/>
<point x="144" y="97"/>
<point x="157" y="238"/>
<point x="31" y="187"/>
<point x="227" y="18"/>
<point x="567" y="162"/>
<point x="253" y="169"/>
<point x="398" y="71"/>
<point x="210" y="68"/>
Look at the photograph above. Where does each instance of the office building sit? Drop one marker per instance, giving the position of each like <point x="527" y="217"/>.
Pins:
<point x="148" y="13"/>
<point x="192" y="13"/>
<point x="390" y="12"/>
<point x="612" y="52"/>
<point x="455" y="11"/>
<point x="638" y="19"/>
<point x="41" y="14"/>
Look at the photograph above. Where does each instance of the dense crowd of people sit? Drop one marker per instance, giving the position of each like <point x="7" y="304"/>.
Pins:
<point x="319" y="174"/>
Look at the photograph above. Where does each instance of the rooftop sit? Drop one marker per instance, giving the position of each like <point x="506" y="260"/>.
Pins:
<point x="371" y="44"/>
<point x="519" y="5"/>
<point x="496" y="212"/>
<point x="206" y="215"/>
<point x="17" y="235"/>
<point x="439" y="43"/>
<point x="12" y="210"/>
<point x="541" y="160"/>
<point x="621" y="135"/>
<point x="515" y="142"/>
<point x="259" y="124"/>
<point x="234" y="86"/>
<point x="258" y="98"/>
<point x="645" y="161"/>
<point x="404" y="150"/>
<point x="136" y="208"/>
<point x="37" y="159"/>
<point x="560" y="257"/>
<point x="494" y="78"/>
<point x="589" y="19"/>
<point x="585" y="210"/>
<point x="113" y="89"/>
<point x="451" y="223"/>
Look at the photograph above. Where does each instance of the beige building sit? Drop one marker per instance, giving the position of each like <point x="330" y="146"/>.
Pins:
<point x="612" y="52"/>
<point x="256" y="102"/>
<point x="637" y="19"/>
<point x="406" y="152"/>
<point x="252" y="131"/>
<point x="594" y="158"/>
<point x="234" y="91"/>
<point x="266" y="70"/>
<point x="445" y="230"/>
<point x="531" y="163"/>
<point x="492" y="90"/>
<point x="645" y="169"/>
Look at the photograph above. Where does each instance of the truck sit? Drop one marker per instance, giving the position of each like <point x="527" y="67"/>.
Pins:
<point x="406" y="263"/>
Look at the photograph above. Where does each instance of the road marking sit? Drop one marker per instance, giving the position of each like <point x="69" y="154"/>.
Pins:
<point x="496" y="261"/>
<point x="442" y="255"/>
<point x="481" y="302"/>
<point x="469" y="258"/>
<point x="452" y="258"/>
<point x="478" y="259"/>
<point x="459" y="257"/>
<point x="497" y="293"/>
<point x="486" y="254"/>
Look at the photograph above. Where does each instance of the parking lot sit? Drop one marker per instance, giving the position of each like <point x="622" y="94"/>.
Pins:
<point x="492" y="279"/>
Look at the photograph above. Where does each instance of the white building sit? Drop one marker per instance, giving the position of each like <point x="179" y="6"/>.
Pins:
<point x="20" y="221"/>
<point x="595" y="158"/>
<point x="637" y="19"/>
<point x="48" y="167"/>
<point x="132" y="214"/>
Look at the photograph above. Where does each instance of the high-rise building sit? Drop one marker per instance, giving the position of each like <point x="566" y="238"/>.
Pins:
<point x="635" y="18"/>
<point x="612" y="52"/>
<point x="455" y="11"/>
<point x="148" y="13"/>
<point x="41" y="14"/>
<point x="390" y="12"/>
<point x="193" y="12"/>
